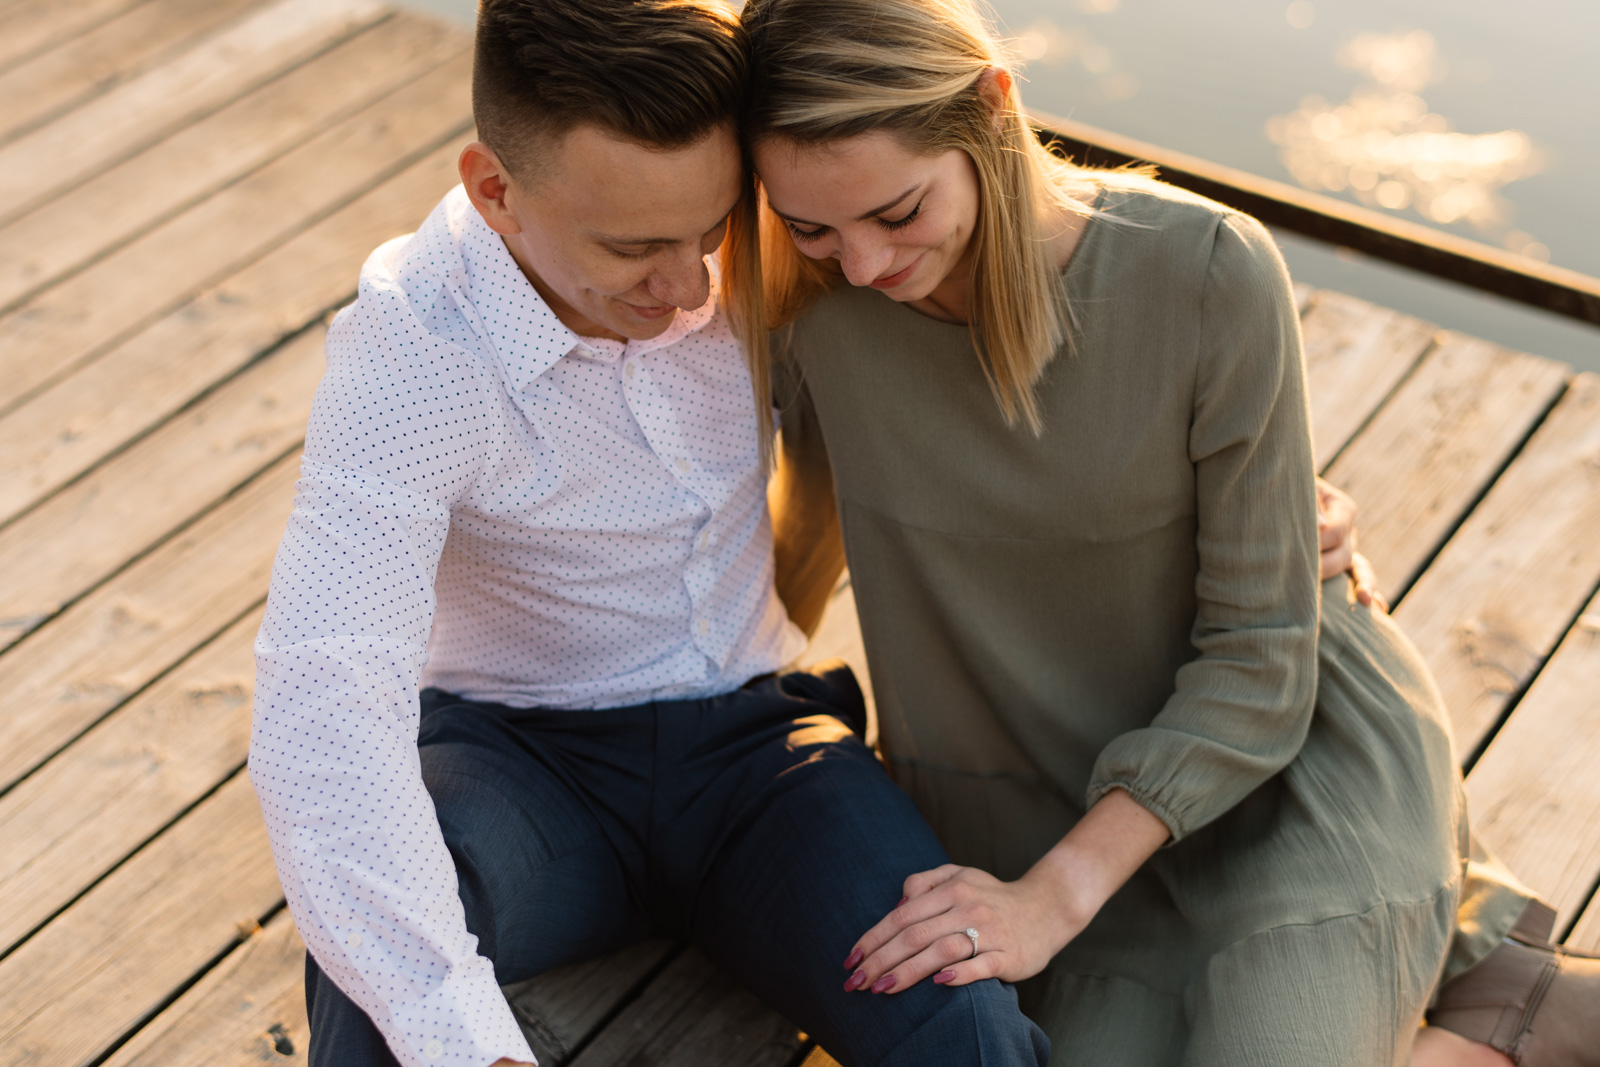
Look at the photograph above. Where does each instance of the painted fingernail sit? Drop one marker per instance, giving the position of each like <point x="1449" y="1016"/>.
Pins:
<point x="902" y="901"/>
<point x="853" y="983"/>
<point x="944" y="976"/>
<point x="853" y="959"/>
<point x="884" y="984"/>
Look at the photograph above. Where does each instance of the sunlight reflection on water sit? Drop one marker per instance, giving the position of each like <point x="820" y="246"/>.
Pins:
<point x="1390" y="151"/>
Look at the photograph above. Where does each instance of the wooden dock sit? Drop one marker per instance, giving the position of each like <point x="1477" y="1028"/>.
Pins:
<point x="187" y="189"/>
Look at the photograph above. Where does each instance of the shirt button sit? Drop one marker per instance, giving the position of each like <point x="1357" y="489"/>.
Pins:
<point x="631" y="369"/>
<point x="433" y="1049"/>
<point x="704" y="539"/>
<point x="354" y="940"/>
<point x="703" y="626"/>
<point x="682" y="465"/>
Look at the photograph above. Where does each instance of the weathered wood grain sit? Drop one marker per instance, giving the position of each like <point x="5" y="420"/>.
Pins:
<point x="113" y="957"/>
<point x="56" y="80"/>
<point x="46" y="162"/>
<point x="818" y="1057"/>
<point x="1494" y="603"/>
<point x="31" y="27"/>
<point x="1436" y="445"/>
<point x="70" y="543"/>
<point x="143" y="766"/>
<point x="119" y="638"/>
<point x="1356" y="353"/>
<point x="126" y="200"/>
<point x="1535" y="794"/>
<point x="1586" y="935"/>
<point x="247" y="1011"/>
<point x="70" y="324"/>
<point x="694" y="1014"/>
<point x="561" y="1009"/>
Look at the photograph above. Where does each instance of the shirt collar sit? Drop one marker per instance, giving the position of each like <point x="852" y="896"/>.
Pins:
<point x="525" y="333"/>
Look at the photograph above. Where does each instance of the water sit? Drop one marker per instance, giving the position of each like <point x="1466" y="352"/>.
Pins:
<point x="1480" y="118"/>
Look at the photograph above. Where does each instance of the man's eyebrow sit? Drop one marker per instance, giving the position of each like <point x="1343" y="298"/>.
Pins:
<point x="860" y="218"/>
<point x="613" y="239"/>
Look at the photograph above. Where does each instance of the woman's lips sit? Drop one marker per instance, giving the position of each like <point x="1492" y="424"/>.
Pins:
<point x="890" y="281"/>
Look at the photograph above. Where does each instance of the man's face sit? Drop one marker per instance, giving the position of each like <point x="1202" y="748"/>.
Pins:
<point x="610" y="231"/>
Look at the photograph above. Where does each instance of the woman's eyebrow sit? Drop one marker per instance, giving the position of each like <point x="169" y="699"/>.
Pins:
<point x="861" y="218"/>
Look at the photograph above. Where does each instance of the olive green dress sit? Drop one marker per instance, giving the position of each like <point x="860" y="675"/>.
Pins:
<point x="1129" y="599"/>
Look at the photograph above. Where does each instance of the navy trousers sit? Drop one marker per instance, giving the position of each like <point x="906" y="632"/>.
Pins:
<point x="755" y="824"/>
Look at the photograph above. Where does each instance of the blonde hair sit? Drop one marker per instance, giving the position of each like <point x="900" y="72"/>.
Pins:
<point x="822" y="70"/>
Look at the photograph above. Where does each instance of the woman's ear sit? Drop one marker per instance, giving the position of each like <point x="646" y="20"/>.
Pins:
<point x="993" y="87"/>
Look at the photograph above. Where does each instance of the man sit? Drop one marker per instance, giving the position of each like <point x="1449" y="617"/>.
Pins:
<point x="533" y="484"/>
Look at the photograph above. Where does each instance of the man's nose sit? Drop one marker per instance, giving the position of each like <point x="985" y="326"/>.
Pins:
<point x="684" y="283"/>
<point x="864" y="263"/>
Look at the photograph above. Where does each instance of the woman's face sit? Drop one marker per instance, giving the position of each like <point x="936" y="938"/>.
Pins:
<point x="895" y="220"/>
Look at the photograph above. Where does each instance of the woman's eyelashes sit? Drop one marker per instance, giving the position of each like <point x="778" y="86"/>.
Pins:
<point x="889" y="224"/>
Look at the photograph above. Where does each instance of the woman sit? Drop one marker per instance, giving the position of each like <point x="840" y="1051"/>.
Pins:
<point x="1069" y="441"/>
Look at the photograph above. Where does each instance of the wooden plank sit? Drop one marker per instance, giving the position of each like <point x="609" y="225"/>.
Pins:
<point x="115" y="641"/>
<point x="120" y="203"/>
<point x="81" y="535"/>
<point x="1501" y="593"/>
<point x="1534" y="795"/>
<point x="108" y="961"/>
<point x="53" y="82"/>
<point x="694" y="1014"/>
<point x="818" y="1057"/>
<point x="31" y="27"/>
<point x="119" y="784"/>
<point x="46" y="162"/>
<point x="1356" y="353"/>
<point x="561" y="1009"/>
<point x="72" y="323"/>
<point x="1436" y="445"/>
<point x="249" y="1010"/>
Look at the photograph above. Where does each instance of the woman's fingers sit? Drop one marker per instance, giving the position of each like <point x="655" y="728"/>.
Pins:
<point x="941" y="954"/>
<point x="923" y="881"/>
<point x="1365" y="580"/>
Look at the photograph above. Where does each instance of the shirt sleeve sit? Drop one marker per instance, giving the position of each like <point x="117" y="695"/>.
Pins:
<point x="333" y="756"/>
<point x="1241" y="708"/>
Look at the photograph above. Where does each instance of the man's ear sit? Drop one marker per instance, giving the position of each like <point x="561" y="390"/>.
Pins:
<point x="993" y="87"/>
<point x="488" y="186"/>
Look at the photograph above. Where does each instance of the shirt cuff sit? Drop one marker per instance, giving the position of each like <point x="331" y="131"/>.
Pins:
<point x="464" y="1022"/>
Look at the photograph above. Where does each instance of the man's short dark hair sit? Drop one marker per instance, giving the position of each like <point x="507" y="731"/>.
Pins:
<point x="661" y="72"/>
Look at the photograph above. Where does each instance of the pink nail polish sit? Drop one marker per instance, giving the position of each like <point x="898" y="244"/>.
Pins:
<point x="853" y="959"/>
<point x="902" y="901"/>
<point x="853" y="983"/>
<point x="884" y="984"/>
<point x="943" y="976"/>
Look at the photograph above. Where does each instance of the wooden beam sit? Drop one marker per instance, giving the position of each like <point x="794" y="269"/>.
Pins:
<point x="1409" y="244"/>
<point x="1433" y="449"/>
<point x="1502" y="592"/>
<point x="124" y="780"/>
<point x="1535" y="793"/>
<point x="44" y="163"/>
<point x="560" y="1010"/>
<point x="694" y="1014"/>
<point x="126" y="200"/>
<point x="33" y="27"/>
<point x="128" y="632"/>
<point x="116" y="955"/>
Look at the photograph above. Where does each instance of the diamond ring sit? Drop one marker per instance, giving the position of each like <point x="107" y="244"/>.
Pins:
<point x="972" y="932"/>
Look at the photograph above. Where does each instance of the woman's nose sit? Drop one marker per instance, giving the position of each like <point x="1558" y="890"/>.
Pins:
<point x="864" y="262"/>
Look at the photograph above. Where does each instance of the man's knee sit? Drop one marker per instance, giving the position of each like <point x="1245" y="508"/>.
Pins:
<point x="974" y="1024"/>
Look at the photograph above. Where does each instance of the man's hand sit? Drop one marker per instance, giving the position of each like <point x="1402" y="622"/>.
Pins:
<point x="1336" y="532"/>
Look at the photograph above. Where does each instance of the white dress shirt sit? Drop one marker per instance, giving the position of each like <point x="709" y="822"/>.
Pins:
<point x="494" y="505"/>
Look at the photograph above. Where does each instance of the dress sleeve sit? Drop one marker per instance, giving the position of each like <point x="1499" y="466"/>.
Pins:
<point x="1241" y="708"/>
<point x="808" y="548"/>
<point x="333" y="751"/>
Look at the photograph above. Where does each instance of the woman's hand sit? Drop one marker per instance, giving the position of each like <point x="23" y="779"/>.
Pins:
<point x="1336" y="530"/>
<point x="1021" y="925"/>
